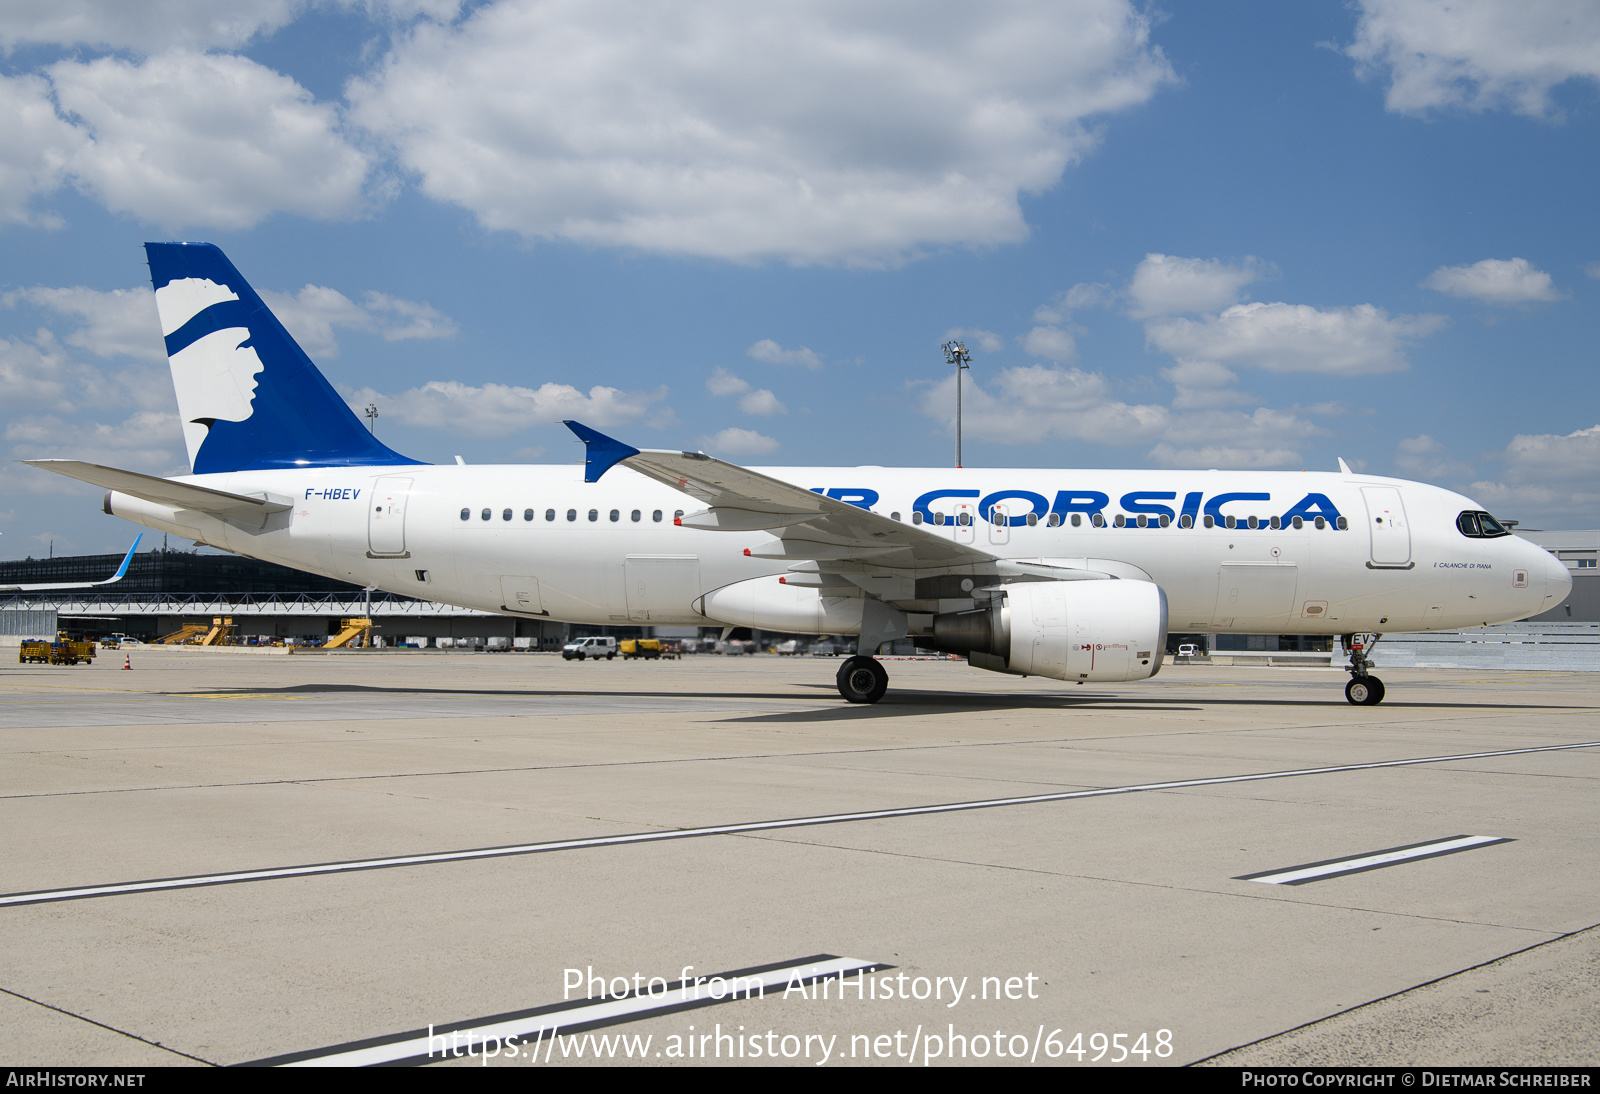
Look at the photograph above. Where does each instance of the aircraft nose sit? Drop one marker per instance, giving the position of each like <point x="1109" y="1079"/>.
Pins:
<point x="1557" y="580"/>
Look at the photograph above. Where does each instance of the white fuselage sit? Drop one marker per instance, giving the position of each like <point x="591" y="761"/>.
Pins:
<point x="1400" y="565"/>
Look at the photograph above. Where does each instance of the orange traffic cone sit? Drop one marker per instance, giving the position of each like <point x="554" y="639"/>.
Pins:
<point x="127" y="662"/>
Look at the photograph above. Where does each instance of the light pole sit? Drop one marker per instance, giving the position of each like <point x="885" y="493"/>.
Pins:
<point x="955" y="353"/>
<point x="372" y="418"/>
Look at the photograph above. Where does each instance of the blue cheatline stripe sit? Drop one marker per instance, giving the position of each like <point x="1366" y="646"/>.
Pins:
<point x="1372" y="860"/>
<point x="195" y="881"/>
<point x="538" y="1028"/>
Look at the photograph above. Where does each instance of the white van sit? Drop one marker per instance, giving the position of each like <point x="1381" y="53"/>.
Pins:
<point x="579" y="648"/>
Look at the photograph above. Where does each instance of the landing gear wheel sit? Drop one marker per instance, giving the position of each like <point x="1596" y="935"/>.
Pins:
<point x="862" y="680"/>
<point x="1364" y="691"/>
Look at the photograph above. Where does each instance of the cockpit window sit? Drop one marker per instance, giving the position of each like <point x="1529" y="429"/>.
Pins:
<point x="1480" y="525"/>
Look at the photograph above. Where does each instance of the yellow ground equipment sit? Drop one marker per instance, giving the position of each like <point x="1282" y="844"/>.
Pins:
<point x="61" y="652"/>
<point x="182" y="637"/>
<point x="647" y="648"/>
<point x="357" y="632"/>
<point x="218" y="634"/>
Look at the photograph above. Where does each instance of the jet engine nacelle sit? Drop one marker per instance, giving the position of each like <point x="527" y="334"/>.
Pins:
<point x="1065" y="630"/>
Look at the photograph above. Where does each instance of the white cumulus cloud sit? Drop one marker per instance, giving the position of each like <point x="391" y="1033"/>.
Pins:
<point x="36" y="145"/>
<point x="1477" y="54"/>
<point x="151" y="25"/>
<point x="761" y="403"/>
<point x="802" y="132"/>
<point x="1548" y="478"/>
<point x="1495" y="281"/>
<point x="773" y="354"/>
<point x="1051" y="343"/>
<point x="496" y="410"/>
<point x="311" y="314"/>
<point x="1029" y="404"/>
<point x="206" y="140"/>
<point x="1167" y="285"/>
<point x="119" y="322"/>
<point x="739" y="442"/>
<point x="1423" y="457"/>
<point x="1353" y="341"/>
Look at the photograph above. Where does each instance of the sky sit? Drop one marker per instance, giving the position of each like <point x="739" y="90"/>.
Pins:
<point x="1242" y="234"/>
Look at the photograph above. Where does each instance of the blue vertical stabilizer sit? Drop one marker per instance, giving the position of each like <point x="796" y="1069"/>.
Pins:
<point x="248" y="396"/>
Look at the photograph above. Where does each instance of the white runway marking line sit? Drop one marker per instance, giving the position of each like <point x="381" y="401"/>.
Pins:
<point x="539" y="1027"/>
<point x="1375" y="860"/>
<point x="46" y="896"/>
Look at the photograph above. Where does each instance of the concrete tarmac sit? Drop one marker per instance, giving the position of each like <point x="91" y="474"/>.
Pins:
<point x="1127" y="915"/>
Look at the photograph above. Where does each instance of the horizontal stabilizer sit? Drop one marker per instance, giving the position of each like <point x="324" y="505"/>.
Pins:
<point x="179" y="495"/>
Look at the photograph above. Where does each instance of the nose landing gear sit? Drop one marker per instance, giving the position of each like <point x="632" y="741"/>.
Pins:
<point x="862" y="680"/>
<point x="1364" y="689"/>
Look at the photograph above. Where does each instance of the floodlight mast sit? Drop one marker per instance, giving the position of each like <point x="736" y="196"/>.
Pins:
<point x="955" y="353"/>
<point x="372" y="418"/>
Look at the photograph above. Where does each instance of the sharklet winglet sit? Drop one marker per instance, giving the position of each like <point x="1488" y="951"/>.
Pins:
<point x="127" y="558"/>
<point x="602" y="453"/>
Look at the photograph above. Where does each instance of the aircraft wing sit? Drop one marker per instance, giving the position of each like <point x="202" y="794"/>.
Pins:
<point x="179" y="495"/>
<point x="805" y="526"/>
<point x="51" y="587"/>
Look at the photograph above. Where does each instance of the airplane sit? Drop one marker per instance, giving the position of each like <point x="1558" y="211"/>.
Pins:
<point x="56" y="586"/>
<point x="1072" y="575"/>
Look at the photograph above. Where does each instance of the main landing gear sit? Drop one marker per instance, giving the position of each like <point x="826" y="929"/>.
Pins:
<point x="1364" y="689"/>
<point x="862" y="680"/>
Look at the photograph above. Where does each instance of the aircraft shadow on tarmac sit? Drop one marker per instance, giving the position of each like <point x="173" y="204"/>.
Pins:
<point x="897" y="703"/>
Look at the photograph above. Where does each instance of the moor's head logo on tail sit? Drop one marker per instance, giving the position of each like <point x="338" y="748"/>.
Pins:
<point x="248" y="396"/>
<point x="215" y="374"/>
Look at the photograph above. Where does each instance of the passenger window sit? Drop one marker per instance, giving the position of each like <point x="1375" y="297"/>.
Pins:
<point x="572" y="514"/>
<point x="1321" y="523"/>
<point x="1033" y="520"/>
<point x="677" y="515"/>
<point x="965" y="520"/>
<point x="1053" y="521"/>
<point x="1344" y="524"/>
<point x="549" y="514"/>
<point x="527" y="514"/>
<point x="1210" y="521"/>
<point x="1165" y="520"/>
<point x="616" y="515"/>
<point x="594" y="515"/>
<point x="656" y="516"/>
<point x="1144" y="521"/>
<point x="938" y="518"/>
<point x="916" y="518"/>
<point x="1252" y="524"/>
<point x="1231" y="523"/>
<point x="1186" y="521"/>
<point x="1077" y="520"/>
<point x="486" y="514"/>
<point x="1098" y="521"/>
<point x="1298" y="524"/>
<point x="506" y="515"/>
<point x="466" y="514"/>
<point x="894" y="516"/>
<point x="1277" y="523"/>
<point x="635" y="516"/>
